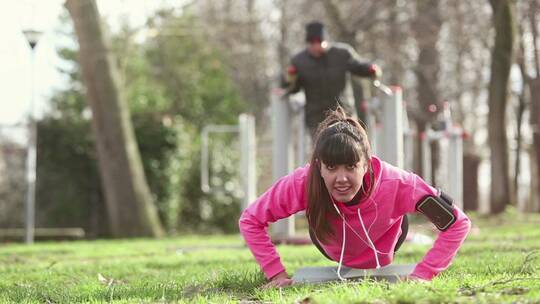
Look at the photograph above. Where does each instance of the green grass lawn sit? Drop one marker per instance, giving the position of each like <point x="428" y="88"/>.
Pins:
<point x="498" y="264"/>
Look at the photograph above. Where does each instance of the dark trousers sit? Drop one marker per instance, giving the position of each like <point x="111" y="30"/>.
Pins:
<point x="401" y="239"/>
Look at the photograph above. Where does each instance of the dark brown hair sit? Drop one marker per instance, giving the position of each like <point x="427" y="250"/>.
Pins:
<point x="339" y="140"/>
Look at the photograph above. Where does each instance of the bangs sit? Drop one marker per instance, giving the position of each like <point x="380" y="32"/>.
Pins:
<point x="339" y="149"/>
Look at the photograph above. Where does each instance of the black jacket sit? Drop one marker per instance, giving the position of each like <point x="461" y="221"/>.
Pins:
<point x="324" y="80"/>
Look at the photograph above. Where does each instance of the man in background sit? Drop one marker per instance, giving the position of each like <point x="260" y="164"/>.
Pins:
<point x="323" y="70"/>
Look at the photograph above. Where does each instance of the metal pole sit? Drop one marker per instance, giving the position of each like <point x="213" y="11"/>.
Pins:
<point x="301" y="157"/>
<point x="297" y="114"/>
<point x="31" y="165"/>
<point x="205" y="146"/>
<point x="393" y="128"/>
<point x="455" y="166"/>
<point x="426" y="156"/>
<point x="371" y="122"/>
<point x="408" y="142"/>
<point x="281" y="154"/>
<point x="205" y="179"/>
<point x="247" y="158"/>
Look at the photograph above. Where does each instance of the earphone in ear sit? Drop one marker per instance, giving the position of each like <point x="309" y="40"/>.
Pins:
<point x="318" y="163"/>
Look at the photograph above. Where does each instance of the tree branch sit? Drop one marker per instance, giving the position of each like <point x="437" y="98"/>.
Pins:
<point x="369" y="19"/>
<point x="534" y="30"/>
<point x="520" y="58"/>
<point x="334" y="14"/>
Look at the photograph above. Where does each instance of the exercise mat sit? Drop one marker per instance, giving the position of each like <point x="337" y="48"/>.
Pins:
<point x="391" y="273"/>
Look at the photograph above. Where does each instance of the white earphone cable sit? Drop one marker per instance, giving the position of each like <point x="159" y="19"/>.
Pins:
<point x="372" y="246"/>
<point x="342" y="244"/>
<point x="370" y="243"/>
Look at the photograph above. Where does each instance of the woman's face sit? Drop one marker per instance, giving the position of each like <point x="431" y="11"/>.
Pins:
<point x="343" y="181"/>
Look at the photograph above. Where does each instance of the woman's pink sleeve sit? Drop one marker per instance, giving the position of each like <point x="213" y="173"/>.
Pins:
<point x="283" y="199"/>
<point x="448" y="242"/>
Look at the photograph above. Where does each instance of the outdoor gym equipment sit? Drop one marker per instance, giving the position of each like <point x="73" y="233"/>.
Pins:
<point x="386" y="122"/>
<point x="387" y="119"/>
<point x="451" y="173"/>
<point x="390" y="148"/>
<point x="281" y="152"/>
<point x="248" y="176"/>
<point x="390" y="136"/>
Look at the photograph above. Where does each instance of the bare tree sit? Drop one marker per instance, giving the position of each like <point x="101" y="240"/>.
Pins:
<point x="464" y="49"/>
<point x="534" y="88"/>
<point x="236" y="32"/>
<point x="426" y="28"/>
<point x="530" y="71"/>
<point x="283" y="52"/>
<point x="501" y="62"/>
<point x="129" y="202"/>
<point x="521" y="106"/>
<point x="397" y="33"/>
<point x="349" y="19"/>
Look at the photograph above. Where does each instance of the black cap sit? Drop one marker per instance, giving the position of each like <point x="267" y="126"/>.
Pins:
<point x="314" y="31"/>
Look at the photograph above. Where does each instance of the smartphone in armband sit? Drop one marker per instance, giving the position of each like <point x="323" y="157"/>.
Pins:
<point x="438" y="211"/>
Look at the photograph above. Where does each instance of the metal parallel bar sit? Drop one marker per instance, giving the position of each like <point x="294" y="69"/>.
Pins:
<point x="205" y="185"/>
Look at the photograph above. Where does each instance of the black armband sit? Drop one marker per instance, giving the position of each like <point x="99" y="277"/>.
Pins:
<point x="438" y="209"/>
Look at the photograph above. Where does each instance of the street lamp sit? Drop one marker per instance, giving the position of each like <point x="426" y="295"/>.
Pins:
<point x="32" y="36"/>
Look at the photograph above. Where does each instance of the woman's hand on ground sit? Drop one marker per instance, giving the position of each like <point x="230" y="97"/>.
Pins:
<point x="279" y="280"/>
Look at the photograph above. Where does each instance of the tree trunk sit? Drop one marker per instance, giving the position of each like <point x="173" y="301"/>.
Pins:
<point x="397" y="35"/>
<point x="471" y="161"/>
<point x="533" y="204"/>
<point x="522" y="106"/>
<point x="284" y="25"/>
<point x="129" y="203"/>
<point x="534" y="87"/>
<point x="520" y="111"/>
<point x="427" y="26"/>
<point x="501" y="61"/>
<point x="347" y="35"/>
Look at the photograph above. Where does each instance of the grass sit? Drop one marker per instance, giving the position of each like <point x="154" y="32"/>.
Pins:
<point x="498" y="264"/>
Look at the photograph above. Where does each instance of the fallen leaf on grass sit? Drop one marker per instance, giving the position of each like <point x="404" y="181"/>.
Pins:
<point x="108" y="282"/>
<point x="468" y="292"/>
<point x="515" y="291"/>
<point x="23" y="285"/>
<point x="507" y="291"/>
<point x="306" y="300"/>
<point x="192" y="290"/>
<point x="51" y="265"/>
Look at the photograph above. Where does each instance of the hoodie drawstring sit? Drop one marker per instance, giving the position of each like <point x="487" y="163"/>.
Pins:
<point x="372" y="246"/>
<point x="342" y="244"/>
<point x="370" y="243"/>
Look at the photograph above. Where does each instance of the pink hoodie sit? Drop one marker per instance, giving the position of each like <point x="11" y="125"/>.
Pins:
<point x="396" y="193"/>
